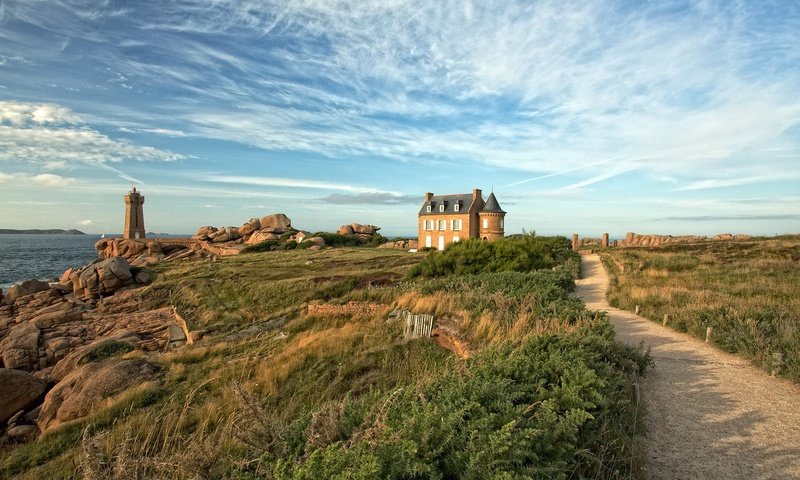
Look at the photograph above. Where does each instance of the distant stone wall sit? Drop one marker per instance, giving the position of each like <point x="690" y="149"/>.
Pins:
<point x="351" y="308"/>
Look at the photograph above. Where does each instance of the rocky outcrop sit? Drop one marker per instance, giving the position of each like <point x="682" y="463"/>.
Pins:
<point x="28" y="287"/>
<point x="20" y="347"/>
<point x="91" y="385"/>
<point x="358" y="229"/>
<point x="103" y="278"/>
<point x="20" y="391"/>
<point x="276" y="223"/>
<point x="401" y="245"/>
<point x="636" y="240"/>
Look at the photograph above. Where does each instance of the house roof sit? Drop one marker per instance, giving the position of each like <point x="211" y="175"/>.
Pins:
<point x="449" y="202"/>
<point x="491" y="205"/>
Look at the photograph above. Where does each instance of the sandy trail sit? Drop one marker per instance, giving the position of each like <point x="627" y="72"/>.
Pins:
<point x="710" y="415"/>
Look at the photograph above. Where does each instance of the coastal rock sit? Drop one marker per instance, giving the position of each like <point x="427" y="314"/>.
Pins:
<point x="223" y="238"/>
<point x="365" y="229"/>
<point x="23" y="433"/>
<point x="275" y="222"/>
<point x="28" y="287"/>
<point x="90" y="386"/>
<point x="104" y="278"/>
<point x="260" y="236"/>
<point x="723" y="236"/>
<point x="20" y="347"/>
<point x="346" y="230"/>
<point x="123" y="341"/>
<point x="317" y="241"/>
<point x="400" y="245"/>
<point x="636" y="240"/>
<point x="250" y="226"/>
<point x="127" y="248"/>
<point x="205" y="230"/>
<point x="20" y="391"/>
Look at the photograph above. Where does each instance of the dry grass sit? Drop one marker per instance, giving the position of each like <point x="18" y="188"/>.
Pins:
<point x="748" y="291"/>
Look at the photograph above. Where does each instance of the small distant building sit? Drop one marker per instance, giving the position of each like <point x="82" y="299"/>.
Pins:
<point x="134" y="215"/>
<point x="445" y="219"/>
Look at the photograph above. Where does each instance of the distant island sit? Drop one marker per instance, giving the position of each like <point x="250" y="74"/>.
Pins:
<point x="53" y="231"/>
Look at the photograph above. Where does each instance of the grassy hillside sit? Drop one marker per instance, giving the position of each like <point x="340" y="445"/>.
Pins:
<point x="748" y="291"/>
<point x="538" y="389"/>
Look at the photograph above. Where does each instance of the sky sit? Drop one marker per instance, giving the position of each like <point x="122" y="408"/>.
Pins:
<point x="669" y="117"/>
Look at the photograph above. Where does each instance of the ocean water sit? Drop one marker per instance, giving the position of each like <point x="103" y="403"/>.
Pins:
<point x="42" y="256"/>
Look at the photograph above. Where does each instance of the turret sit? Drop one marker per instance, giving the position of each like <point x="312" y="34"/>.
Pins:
<point x="492" y="220"/>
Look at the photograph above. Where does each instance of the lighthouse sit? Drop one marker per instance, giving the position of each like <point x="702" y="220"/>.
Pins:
<point x="134" y="215"/>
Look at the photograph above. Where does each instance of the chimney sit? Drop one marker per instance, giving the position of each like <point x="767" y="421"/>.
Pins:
<point x="476" y="194"/>
<point x="428" y="196"/>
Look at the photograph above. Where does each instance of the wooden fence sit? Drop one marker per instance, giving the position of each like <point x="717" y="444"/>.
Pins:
<point x="418" y="325"/>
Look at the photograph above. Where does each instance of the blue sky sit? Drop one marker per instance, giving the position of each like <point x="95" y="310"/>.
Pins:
<point x="587" y="116"/>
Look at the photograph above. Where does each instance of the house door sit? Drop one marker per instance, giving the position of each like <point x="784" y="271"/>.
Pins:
<point x="428" y="241"/>
<point x="441" y="242"/>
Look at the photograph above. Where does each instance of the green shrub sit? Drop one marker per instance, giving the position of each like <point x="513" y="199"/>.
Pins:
<point x="556" y="406"/>
<point x="265" y="246"/>
<point x="520" y="254"/>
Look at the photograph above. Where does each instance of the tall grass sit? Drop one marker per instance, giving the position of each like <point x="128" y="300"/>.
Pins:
<point x="747" y="291"/>
<point x="274" y="393"/>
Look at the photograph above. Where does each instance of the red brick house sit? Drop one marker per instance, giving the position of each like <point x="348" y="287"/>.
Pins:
<point x="444" y="219"/>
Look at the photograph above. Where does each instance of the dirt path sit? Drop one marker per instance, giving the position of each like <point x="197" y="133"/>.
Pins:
<point x="710" y="415"/>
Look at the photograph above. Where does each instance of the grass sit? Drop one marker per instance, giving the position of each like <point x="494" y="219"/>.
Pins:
<point x="274" y="393"/>
<point x="747" y="291"/>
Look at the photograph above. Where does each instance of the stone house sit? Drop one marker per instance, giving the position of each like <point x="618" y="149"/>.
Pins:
<point x="445" y="219"/>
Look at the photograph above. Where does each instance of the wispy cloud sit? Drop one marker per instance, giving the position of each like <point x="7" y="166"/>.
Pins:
<point x="710" y="218"/>
<point x="287" y="182"/>
<point x="377" y="198"/>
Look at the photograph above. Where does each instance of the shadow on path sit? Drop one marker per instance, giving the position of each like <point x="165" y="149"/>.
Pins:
<point x="710" y="415"/>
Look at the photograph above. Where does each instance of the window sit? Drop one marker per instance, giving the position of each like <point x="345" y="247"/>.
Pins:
<point x="441" y="207"/>
<point x="485" y="223"/>
<point x="429" y="208"/>
<point x="442" y="225"/>
<point x="455" y="225"/>
<point x="428" y="225"/>
<point x="501" y="223"/>
<point x="456" y="207"/>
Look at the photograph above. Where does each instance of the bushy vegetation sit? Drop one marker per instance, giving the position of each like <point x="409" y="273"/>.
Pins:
<point x="551" y="407"/>
<point x="747" y="291"/>
<point x="521" y="254"/>
<point x="543" y="391"/>
<point x="336" y="240"/>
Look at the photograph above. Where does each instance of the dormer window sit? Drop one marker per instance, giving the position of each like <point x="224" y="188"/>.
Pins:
<point x="456" y="206"/>
<point x="441" y="207"/>
<point x="429" y="208"/>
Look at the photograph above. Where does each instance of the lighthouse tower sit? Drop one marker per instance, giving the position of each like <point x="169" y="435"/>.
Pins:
<point x="134" y="215"/>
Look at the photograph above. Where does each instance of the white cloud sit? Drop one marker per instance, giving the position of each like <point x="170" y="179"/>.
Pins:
<point x="54" y="136"/>
<point x="51" y="180"/>
<point x="20" y="113"/>
<point x="42" y="180"/>
<point x="85" y="222"/>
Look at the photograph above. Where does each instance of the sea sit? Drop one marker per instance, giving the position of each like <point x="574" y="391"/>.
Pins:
<point x="44" y="257"/>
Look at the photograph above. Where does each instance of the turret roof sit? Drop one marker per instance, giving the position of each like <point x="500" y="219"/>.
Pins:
<point x="491" y="205"/>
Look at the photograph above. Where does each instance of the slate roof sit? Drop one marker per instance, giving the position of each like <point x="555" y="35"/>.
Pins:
<point x="491" y="205"/>
<point x="450" y="201"/>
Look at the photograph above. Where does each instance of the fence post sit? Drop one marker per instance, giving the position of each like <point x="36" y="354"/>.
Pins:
<point x="709" y="330"/>
<point x="666" y="319"/>
<point x="636" y="310"/>
<point x="777" y="363"/>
